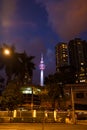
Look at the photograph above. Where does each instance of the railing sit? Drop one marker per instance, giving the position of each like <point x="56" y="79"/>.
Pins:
<point x="38" y="116"/>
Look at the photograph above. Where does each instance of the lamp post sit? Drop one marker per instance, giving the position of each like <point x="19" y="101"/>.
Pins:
<point x="70" y="88"/>
<point x="73" y="109"/>
<point x="32" y="100"/>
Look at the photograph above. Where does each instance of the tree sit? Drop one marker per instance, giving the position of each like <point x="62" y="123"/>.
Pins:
<point x="24" y="67"/>
<point x="1" y="84"/>
<point x="16" y="64"/>
<point x="54" y="90"/>
<point x="56" y="83"/>
<point x="67" y="74"/>
<point x="11" y="97"/>
<point x="44" y="98"/>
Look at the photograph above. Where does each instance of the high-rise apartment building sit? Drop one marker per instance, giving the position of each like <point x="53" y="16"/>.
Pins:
<point x="61" y="55"/>
<point x="78" y="58"/>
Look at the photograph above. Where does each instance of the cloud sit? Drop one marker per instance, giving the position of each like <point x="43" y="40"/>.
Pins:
<point x="11" y="25"/>
<point x="23" y="24"/>
<point x="7" y="12"/>
<point x="68" y="18"/>
<point x="33" y="46"/>
<point x="50" y="64"/>
<point x="50" y="55"/>
<point x="7" y="15"/>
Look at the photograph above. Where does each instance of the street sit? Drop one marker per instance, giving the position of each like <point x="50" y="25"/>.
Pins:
<point x="39" y="126"/>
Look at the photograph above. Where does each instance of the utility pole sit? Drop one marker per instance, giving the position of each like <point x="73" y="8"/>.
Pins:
<point x="73" y="108"/>
<point x="32" y="100"/>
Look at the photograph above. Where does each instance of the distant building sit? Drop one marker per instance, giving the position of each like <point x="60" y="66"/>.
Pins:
<point x="79" y="94"/>
<point x="61" y="55"/>
<point x="78" y="58"/>
<point x="31" y="96"/>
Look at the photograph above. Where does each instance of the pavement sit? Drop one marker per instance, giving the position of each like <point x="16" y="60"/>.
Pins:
<point x="83" y="122"/>
<point x="41" y="126"/>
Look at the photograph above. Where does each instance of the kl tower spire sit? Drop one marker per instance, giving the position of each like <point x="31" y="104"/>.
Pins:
<point x="42" y="67"/>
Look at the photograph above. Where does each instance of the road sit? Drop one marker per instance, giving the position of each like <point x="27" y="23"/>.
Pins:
<point x="39" y="126"/>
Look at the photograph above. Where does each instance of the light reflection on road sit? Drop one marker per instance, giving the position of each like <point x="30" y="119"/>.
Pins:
<point x="40" y="126"/>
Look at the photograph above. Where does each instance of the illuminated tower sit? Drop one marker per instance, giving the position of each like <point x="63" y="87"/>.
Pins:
<point x="42" y="67"/>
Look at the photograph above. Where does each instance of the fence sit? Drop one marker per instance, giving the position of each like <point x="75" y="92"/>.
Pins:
<point x="32" y="116"/>
<point x="37" y="116"/>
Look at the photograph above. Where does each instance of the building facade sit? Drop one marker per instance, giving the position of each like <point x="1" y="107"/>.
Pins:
<point x="79" y="93"/>
<point x="61" y="50"/>
<point x="78" y="58"/>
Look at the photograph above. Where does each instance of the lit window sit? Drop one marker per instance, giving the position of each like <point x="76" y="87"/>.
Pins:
<point x="79" y="43"/>
<point x="82" y="81"/>
<point x="82" y="63"/>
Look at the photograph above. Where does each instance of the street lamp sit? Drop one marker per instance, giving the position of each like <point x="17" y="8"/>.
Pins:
<point x="72" y="87"/>
<point x="73" y="109"/>
<point x="6" y="51"/>
<point x="32" y="104"/>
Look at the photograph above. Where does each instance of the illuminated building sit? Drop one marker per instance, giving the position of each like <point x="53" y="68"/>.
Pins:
<point x="42" y="67"/>
<point x="30" y="94"/>
<point x="79" y="95"/>
<point x="61" y="55"/>
<point x="78" y="58"/>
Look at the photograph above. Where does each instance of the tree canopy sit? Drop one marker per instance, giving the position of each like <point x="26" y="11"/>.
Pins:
<point x="11" y="97"/>
<point x="16" y="64"/>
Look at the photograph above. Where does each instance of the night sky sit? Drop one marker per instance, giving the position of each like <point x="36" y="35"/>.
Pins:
<point x="36" y="26"/>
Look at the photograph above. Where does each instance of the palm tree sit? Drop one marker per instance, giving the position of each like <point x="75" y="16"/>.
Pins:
<point x="11" y="97"/>
<point x="17" y="64"/>
<point x="25" y="67"/>
<point x="54" y="90"/>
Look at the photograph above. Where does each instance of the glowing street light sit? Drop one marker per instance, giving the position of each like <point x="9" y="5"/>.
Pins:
<point x="6" y="52"/>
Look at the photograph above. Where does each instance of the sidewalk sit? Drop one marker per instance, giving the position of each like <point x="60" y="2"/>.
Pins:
<point x="83" y="122"/>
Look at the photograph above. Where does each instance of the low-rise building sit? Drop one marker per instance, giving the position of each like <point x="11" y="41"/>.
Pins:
<point x="79" y="94"/>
